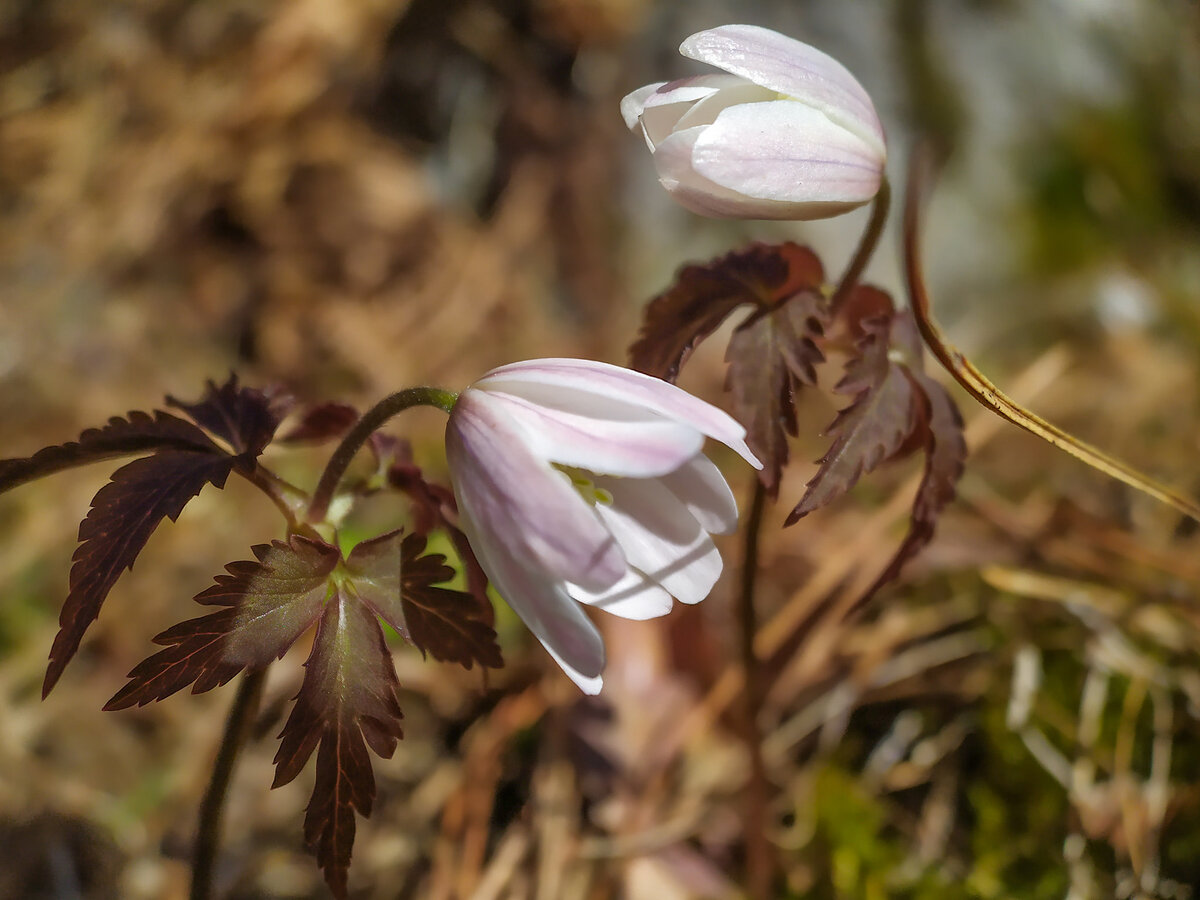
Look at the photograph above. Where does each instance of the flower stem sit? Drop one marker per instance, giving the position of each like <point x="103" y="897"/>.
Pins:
<point x="990" y="396"/>
<point x="866" y="247"/>
<point x="760" y="863"/>
<point x="288" y="499"/>
<point x="362" y="431"/>
<point x="245" y="705"/>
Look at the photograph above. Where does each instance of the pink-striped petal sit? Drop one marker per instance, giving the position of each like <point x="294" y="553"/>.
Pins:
<point x="518" y="500"/>
<point x="545" y="607"/>
<point x="573" y="384"/>
<point x="690" y="189"/>
<point x="636" y="596"/>
<point x="792" y="68"/>
<point x="637" y="449"/>
<point x="786" y="151"/>
<point x="702" y="489"/>
<point x="660" y="538"/>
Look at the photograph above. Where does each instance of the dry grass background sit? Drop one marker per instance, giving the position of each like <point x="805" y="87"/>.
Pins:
<point x="352" y="197"/>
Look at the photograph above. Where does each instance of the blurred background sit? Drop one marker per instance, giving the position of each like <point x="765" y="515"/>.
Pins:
<point x="348" y="197"/>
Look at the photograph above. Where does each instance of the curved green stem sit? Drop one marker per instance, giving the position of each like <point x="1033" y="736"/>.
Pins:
<point x="866" y="246"/>
<point x="987" y="394"/>
<point x="208" y="831"/>
<point x="362" y="431"/>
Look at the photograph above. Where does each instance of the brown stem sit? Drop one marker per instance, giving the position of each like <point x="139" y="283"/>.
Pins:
<point x="362" y="431"/>
<point x="866" y="246"/>
<point x="208" y="831"/>
<point x="990" y="396"/>
<point x="760" y="858"/>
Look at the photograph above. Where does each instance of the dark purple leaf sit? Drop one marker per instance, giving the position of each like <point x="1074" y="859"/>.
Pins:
<point x="244" y="417"/>
<point x="374" y="568"/>
<point x="452" y="626"/>
<point x="322" y="422"/>
<point x="137" y="434"/>
<point x="704" y="295"/>
<point x="434" y="508"/>
<point x="124" y="514"/>
<point x="879" y="422"/>
<point x="348" y="701"/>
<point x="269" y="603"/>
<point x="770" y="357"/>
<point x="195" y="655"/>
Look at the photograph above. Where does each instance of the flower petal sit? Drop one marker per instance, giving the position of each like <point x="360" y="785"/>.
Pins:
<point x="634" y="102"/>
<point x="663" y="109"/>
<point x="518" y="501"/>
<point x="636" y="596"/>
<point x="793" y="68"/>
<point x="660" y="538"/>
<point x="705" y="111"/>
<point x="638" y="449"/>
<point x="701" y="487"/>
<point x="789" y="152"/>
<point x="691" y="190"/>
<point x="545" y="607"/>
<point x="583" y="384"/>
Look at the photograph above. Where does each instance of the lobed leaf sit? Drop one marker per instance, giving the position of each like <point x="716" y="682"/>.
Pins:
<point x="770" y="357"/>
<point x="703" y="296"/>
<point x="374" y="568"/>
<point x="195" y="655"/>
<point x="123" y="515"/>
<point x="452" y="626"/>
<point x="347" y="702"/>
<point x="136" y="434"/>
<point x="945" y="449"/>
<point x="434" y="508"/>
<point x="897" y="408"/>
<point x="879" y="422"/>
<point x="322" y="422"/>
<point x="270" y="601"/>
<point x="941" y="435"/>
<point x="243" y="417"/>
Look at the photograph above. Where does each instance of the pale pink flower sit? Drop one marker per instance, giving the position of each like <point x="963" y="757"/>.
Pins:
<point x="582" y="481"/>
<point x="787" y="134"/>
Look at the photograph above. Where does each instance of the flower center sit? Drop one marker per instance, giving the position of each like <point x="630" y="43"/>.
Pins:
<point x="581" y="480"/>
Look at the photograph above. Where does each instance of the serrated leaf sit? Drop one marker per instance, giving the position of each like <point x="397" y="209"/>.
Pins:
<point x="703" y="296"/>
<point x="878" y="423"/>
<point x="374" y="569"/>
<point x="346" y="703"/>
<point x="138" y="433"/>
<point x="277" y="598"/>
<point x="270" y="601"/>
<point x="452" y="626"/>
<point x="770" y="357"/>
<point x="945" y="457"/>
<point x="434" y="508"/>
<point x="322" y="422"/>
<point x="195" y="655"/>
<point x="941" y="434"/>
<point x="244" y="417"/>
<point x="124" y="514"/>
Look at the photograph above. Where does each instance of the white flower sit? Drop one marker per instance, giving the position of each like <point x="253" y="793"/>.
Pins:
<point x="788" y="134"/>
<point x="581" y="481"/>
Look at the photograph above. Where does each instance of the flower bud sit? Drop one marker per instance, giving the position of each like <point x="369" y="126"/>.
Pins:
<point x="788" y="133"/>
